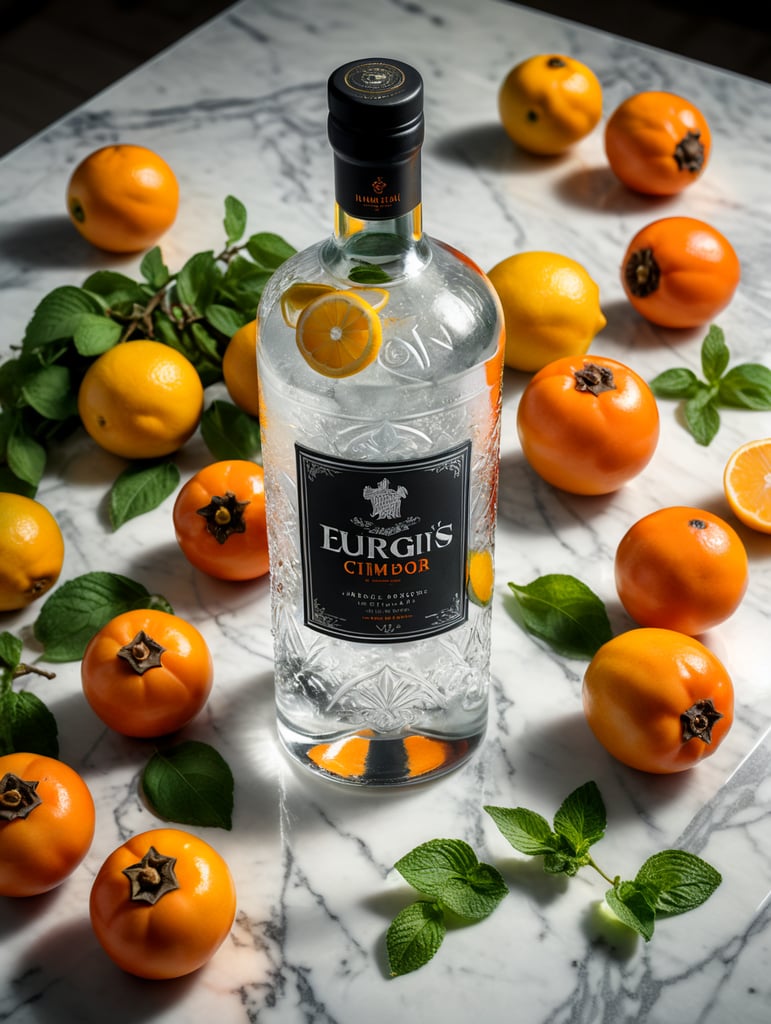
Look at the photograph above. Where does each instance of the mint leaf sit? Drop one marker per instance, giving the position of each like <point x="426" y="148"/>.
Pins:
<point x="431" y="865"/>
<point x="268" y="250"/>
<point x="190" y="784"/>
<point x="196" y="282"/>
<point x="139" y="489"/>
<point x="680" y="880"/>
<point x="679" y="383"/>
<point x="527" y="831"/>
<point x="95" y="334"/>
<point x="10" y="653"/>
<point x="49" y="393"/>
<point x="701" y="416"/>
<point x="153" y="269"/>
<point x="747" y="386"/>
<point x="369" y="273"/>
<point x="79" y="608"/>
<point x="476" y="895"/>
<point x="235" y="219"/>
<point x="565" y="613"/>
<point x="581" y="819"/>
<point x="630" y="905"/>
<point x="225" y="319"/>
<point x="714" y="355"/>
<point x="28" y="725"/>
<point x="229" y="432"/>
<point x="414" y="936"/>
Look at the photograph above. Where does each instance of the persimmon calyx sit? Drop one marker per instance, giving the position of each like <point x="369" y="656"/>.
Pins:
<point x="698" y="720"/>
<point x="18" y="797"/>
<point x="224" y="516"/>
<point x="689" y="153"/>
<point x="642" y="273"/>
<point x="152" y="877"/>
<point x="142" y="652"/>
<point x="595" y="379"/>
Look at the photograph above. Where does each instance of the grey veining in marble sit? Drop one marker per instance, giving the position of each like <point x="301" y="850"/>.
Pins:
<point x="239" y="108"/>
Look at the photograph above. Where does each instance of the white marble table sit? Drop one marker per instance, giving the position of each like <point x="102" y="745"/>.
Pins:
<point x="239" y="107"/>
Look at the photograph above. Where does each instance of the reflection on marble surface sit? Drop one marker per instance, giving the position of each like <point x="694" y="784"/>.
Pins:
<point x="239" y="107"/>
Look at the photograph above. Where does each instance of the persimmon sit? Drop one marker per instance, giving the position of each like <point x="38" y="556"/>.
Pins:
<point x="657" y="143"/>
<point x="47" y="821"/>
<point x="587" y="424"/>
<point x="162" y="903"/>
<point x="658" y="700"/>
<point x="219" y="520"/>
<point x="680" y="272"/>
<point x="681" y="568"/>
<point x="147" y="673"/>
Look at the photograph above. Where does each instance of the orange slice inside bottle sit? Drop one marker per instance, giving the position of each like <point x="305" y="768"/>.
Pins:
<point x="302" y="293"/>
<point x="481" y="576"/>
<point x="339" y="334"/>
<point x="747" y="484"/>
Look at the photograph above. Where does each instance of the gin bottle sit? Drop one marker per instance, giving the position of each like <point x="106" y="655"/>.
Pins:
<point x="379" y="359"/>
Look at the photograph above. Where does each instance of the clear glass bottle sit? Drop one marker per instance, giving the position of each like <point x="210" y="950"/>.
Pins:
<point x="380" y="355"/>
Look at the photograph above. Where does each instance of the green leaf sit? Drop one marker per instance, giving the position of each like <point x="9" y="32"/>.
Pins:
<point x="242" y="284"/>
<point x="57" y="316"/>
<point x="28" y="725"/>
<point x="581" y="819"/>
<point x="26" y="458"/>
<point x="79" y="608"/>
<point x="196" y="282"/>
<point x="117" y="292"/>
<point x="630" y="905"/>
<point x="565" y="613"/>
<point x="229" y="432"/>
<point x="190" y="784"/>
<point x="414" y="936"/>
<point x="139" y="489"/>
<point x="702" y="417"/>
<point x="235" y="219"/>
<point x="431" y="865"/>
<point x="678" y="383"/>
<point x="564" y="861"/>
<point x="476" y="895"/>
<point x="269" y="250"/>
<point x="153" y="269"/>
<point x="368" y="273"/>
<point x="49" y="393"/>
<point x="95" y="334"/>
<point x="747" y="386"/>
<point x="225" y="319"/>
<point x="714" y="354"/>
<point x="527" y="831"/>
<point x="680" y="880"/>
<point x="10" y="652"/>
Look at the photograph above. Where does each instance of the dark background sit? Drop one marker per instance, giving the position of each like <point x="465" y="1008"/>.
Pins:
<point x="55" y="54"/>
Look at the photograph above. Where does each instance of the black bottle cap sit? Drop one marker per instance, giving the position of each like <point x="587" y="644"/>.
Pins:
<point x="375" y="110"/>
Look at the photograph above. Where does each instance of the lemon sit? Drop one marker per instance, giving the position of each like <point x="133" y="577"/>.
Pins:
<point x="339" y="334"/>
<point x="551" y="308"/>
<point x="31" y="551"/>
<point x="481" y="575"/>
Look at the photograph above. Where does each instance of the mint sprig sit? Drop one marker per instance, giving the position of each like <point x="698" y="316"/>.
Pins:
<point x="670" y="882"/>
<point x="26" y="723"/>
<point x="448" y="873"/>
<point x="746" y="386"/>
<point x="564" y="613"/>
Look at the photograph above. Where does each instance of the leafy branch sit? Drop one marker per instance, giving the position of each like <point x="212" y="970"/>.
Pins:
<point x="747" y="386"/>
<point x="195" y="310"/>
<point x="26" y="724"/>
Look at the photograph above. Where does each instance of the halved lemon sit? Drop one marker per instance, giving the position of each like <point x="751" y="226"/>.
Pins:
<point x="302" y="293"/>
<point x="481" y="576"/>
<point x="747" y="484"/>
<point x="339" y="334"/>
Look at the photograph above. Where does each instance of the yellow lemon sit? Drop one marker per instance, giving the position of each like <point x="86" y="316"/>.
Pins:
<point x="747" y="484"/>
<point x="551" y="308"/>
<point x="339" y="334"/>
<point x="481" y="576"/>
<point x="31" y="551"/>
<point x="141" y="399"/>
<point x="301" y="293"/>
<point x="239" y="368"/>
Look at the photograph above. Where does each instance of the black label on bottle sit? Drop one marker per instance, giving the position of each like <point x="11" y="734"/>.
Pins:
<point x="384" y="545"/>
<point x="378" y="192"/>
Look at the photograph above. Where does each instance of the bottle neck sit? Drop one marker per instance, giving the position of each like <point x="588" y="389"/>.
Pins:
<point x="378" y="221"/>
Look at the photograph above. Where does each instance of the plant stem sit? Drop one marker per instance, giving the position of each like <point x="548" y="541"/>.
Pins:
<point x="598" y="869"/>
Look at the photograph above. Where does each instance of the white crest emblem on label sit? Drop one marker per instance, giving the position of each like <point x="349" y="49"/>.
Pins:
<point x="386" y="501"/>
